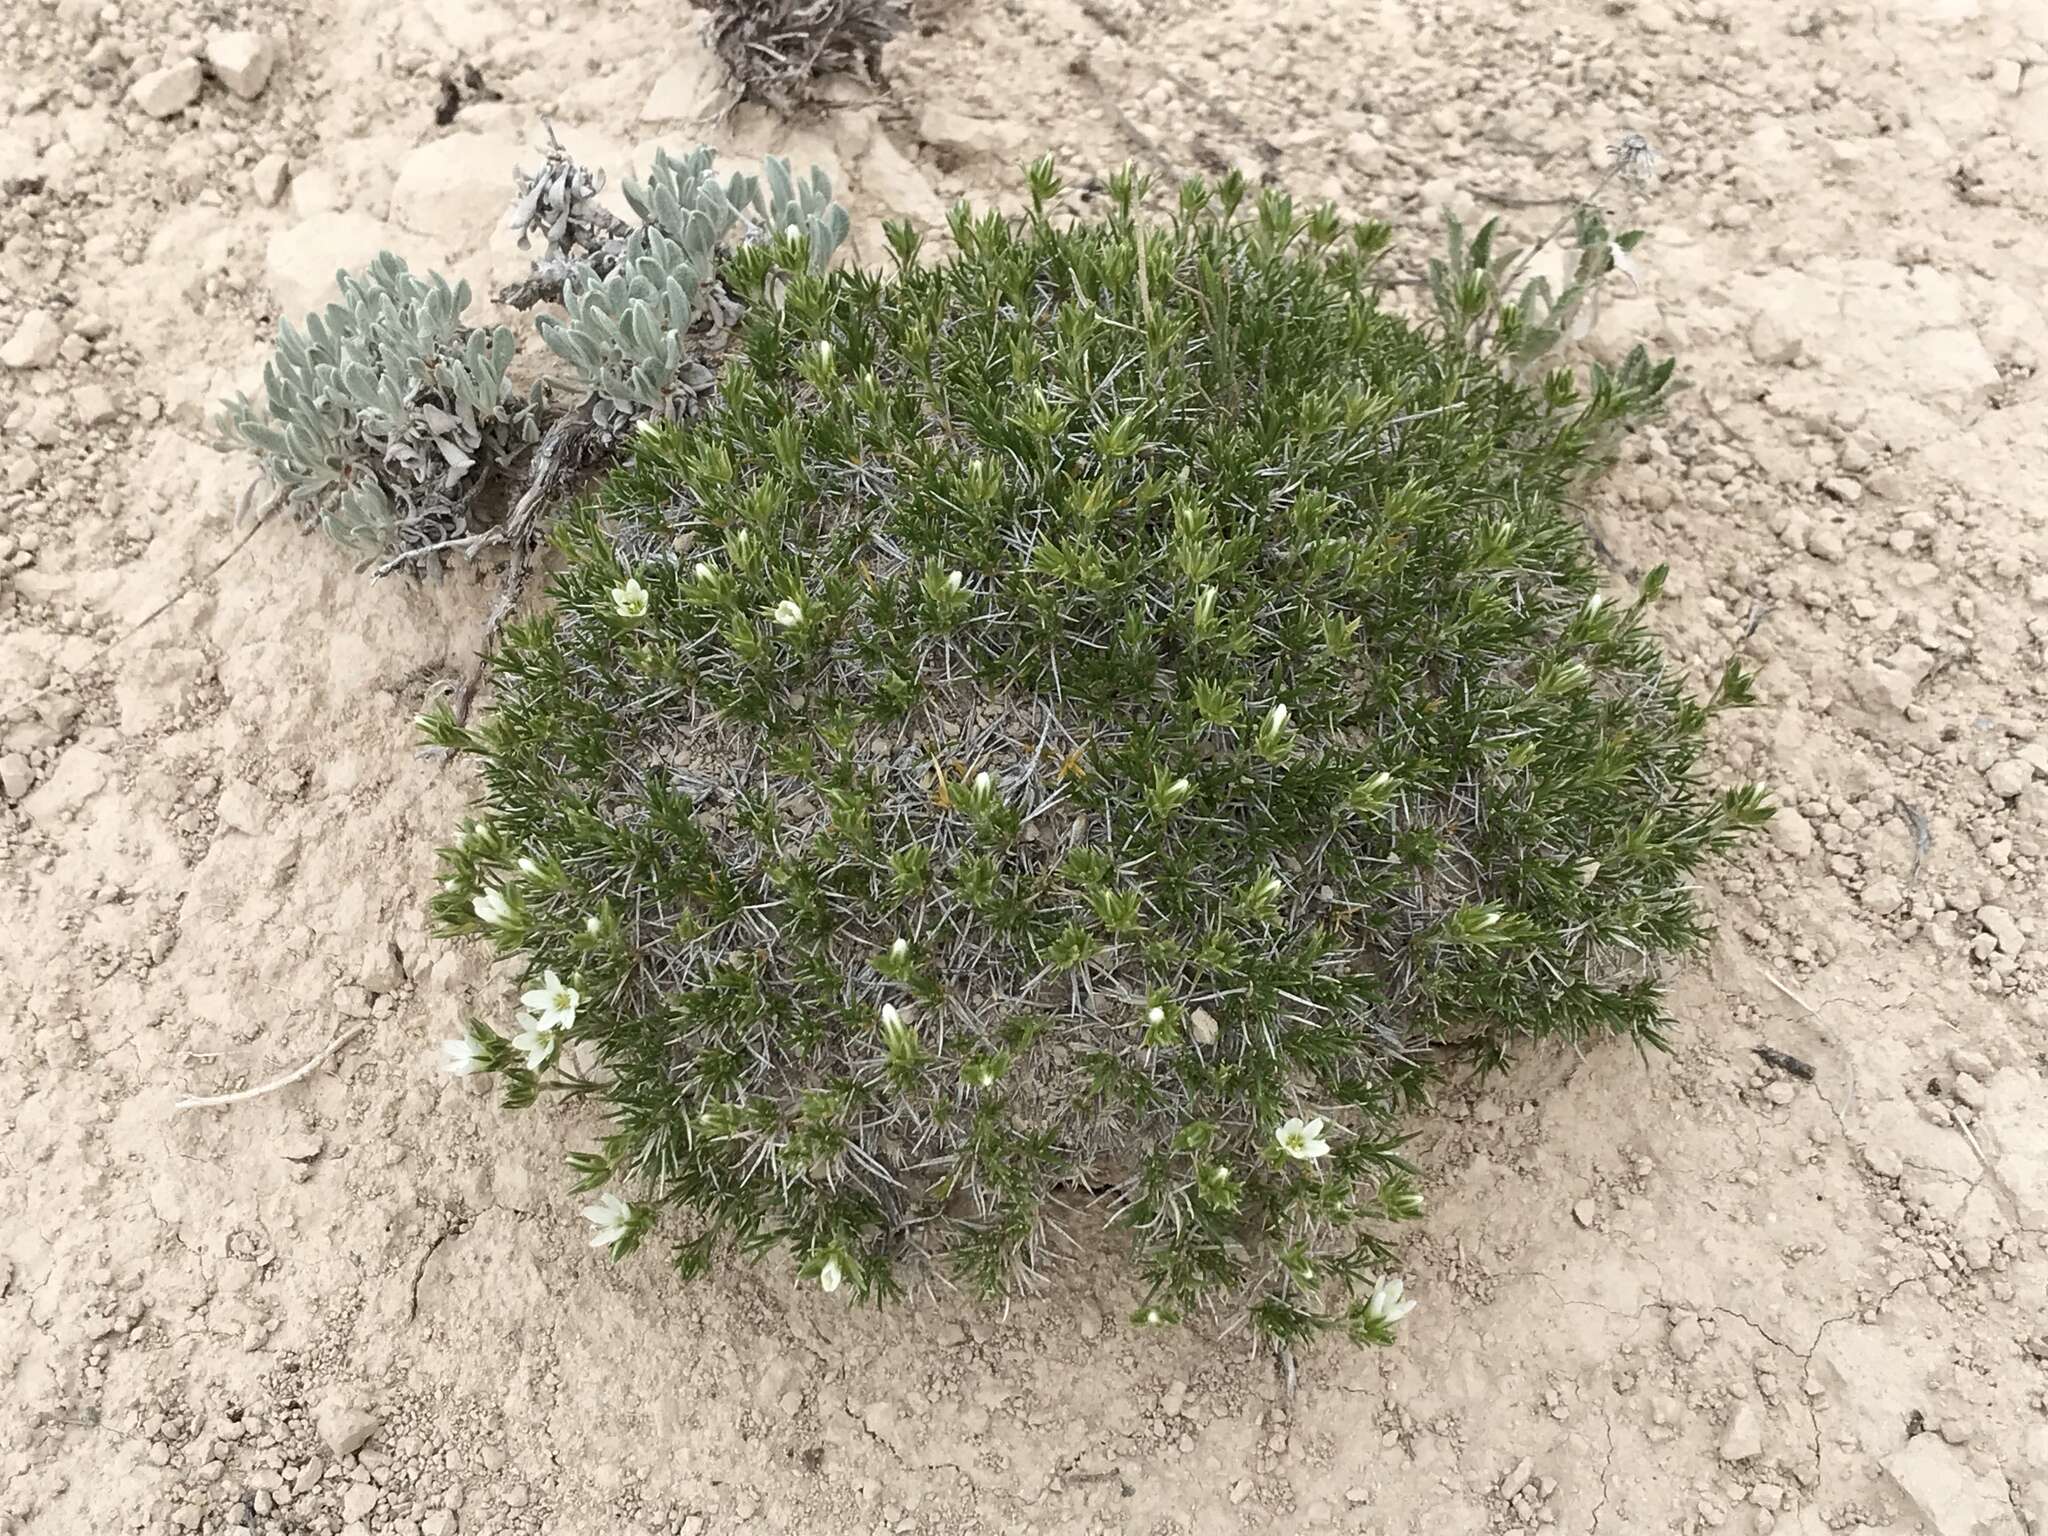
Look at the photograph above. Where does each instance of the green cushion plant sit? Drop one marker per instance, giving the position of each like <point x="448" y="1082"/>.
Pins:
<point x="1080" y="732"/>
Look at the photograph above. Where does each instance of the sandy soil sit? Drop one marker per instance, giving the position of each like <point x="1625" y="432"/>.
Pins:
<point x="1691" y="1294"/>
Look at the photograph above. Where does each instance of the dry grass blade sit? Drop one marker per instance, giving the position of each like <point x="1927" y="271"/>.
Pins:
<point x="773" y="49"/>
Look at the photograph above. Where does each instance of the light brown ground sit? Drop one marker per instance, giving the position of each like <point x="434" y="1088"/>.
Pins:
<point x="1667" y="1296"/>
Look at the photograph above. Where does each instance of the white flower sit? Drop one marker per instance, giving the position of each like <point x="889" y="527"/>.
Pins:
<point x="900" y="950"/>
<point x="1302" y="1140"/>
<point x="892" y="1016"/>
<point x="593" y="925"/>
<point x="462" y="1057"/>
<point x="704" y="571"/>
<point x="630" y="600"/>
<point x="534" y="1041"/>
<point x="1388" y="1306"/>
<point x="954" y="580"/>
<point x="830" y="1276"/>
<point x="1276" y="722"/>
<point x="1155" y="1015"/>
<point x="554" y="1000"/>
<point x="609" y="1218"/>
<point x="490" y="906"/>
<point x="789" y="613"/>
<point x="528" y="868"/>
<point x="1154" y="1317"/>
<point x="983" y="784"/>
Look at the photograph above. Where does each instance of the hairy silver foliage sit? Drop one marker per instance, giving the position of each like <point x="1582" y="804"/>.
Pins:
<point x="804" y="208"/>
<point x="685" y="201"/>
<point x="636" y="331"/>
<point x="385" y="415"/>
<point x="632" y="338"/>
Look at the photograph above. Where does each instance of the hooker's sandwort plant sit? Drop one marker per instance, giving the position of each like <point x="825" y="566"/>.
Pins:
<point x="1076" y="733"/>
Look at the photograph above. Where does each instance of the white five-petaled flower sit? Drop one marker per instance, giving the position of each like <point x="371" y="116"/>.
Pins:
<point x="490" y="906"/>
<point x="1302" y="1139"/>
<point x="830" y="1276"/>
<point x="462" y="1057"/>
<point x="1388" y="1305"/>
<point x="535" y="1041"/>
<point x="610" y="1219"/>
<point x="789" y="613"/>
<point x="629" y="600"/>
<point x="554" y="1000"/>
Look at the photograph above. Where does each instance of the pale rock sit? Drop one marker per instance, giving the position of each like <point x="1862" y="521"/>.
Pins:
<point x="16" y="777"/>
<point x="971" y="137"/>
<point x="314" y="190"/>
<point x="1586" y="1213"/>
<point x="93" y="404"/>
<point x="34" y="343"/>
<point x="268" y="179"/>
<point x="2009" y="777"/>
<point x="1827" y="544"/>
<point x="357" y="1501"/>
<point x="1883" y="1161"/>
<point x="241" y="61"/>
<point x="1883" y="895"/>
<point x="1688" y="1338"/>
<point x="164" y="92"/>
<point x="1949" y="1496"/>
<point x="896" y="186"/>
<point x="1772" y="343"/>
<point x="1744" y="1437"/>
<point x="453" y="190"/>
<point x="1889" y="684"/>
<point x="1792" y="832"/>
<point x="300" y="262"/>
<point x="343" y="1428"/>
<point x="2000" y="924"/>
<point x="380" y="970"/>
<point x="243" y="809"/>
<point x="692" y="89"/>
<point x="1979" y="1066"/>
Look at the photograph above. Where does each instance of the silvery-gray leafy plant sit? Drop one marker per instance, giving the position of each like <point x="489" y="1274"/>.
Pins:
<point x="1080" y="731"/>
<point x="636" y="336"/>
<point x="385" y="416"/>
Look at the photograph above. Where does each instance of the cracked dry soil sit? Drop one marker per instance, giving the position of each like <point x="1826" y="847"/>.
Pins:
<point x="362" y="1305"/>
